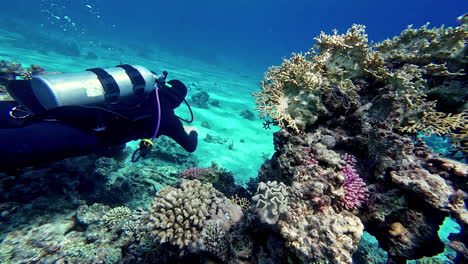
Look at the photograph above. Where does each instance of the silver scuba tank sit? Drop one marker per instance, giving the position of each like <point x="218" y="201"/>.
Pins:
<point x="111" y="86"/>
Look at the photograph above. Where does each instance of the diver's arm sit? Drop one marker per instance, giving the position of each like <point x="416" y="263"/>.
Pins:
<point x="185" y="136"/>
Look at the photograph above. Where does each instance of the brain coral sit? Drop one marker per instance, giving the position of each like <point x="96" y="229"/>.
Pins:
<point x="271" y="201"/>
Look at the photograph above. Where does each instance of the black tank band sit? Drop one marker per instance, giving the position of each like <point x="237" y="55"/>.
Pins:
<point x="111" y="88"/>
<point x="137" y="79"/>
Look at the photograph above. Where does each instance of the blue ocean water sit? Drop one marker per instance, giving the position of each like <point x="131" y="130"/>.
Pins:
<point x="244" y="35"/>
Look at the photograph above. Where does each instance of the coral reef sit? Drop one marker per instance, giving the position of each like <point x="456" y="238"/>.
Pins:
<point x="116" y="217"/>
<point x="347" y="95"/>
<point x="76" y="236"/>
<point x="221" y="179"/>
<point x="401" y="70"/>
<point x="315" y="226"/>
<point x="243" y="202"/>
<point x="193" y="173"/>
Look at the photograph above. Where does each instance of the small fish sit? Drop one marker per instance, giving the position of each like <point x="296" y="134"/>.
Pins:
<point x="89" y="6"/>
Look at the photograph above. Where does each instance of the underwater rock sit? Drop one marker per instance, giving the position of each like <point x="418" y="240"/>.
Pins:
<point x="209" y="138"/>
<point x="410" y="234"/>
<point x="215" y="103"/>
<point x="61" y="239"/>
<point x="247" y="114"/>
<point x="167" y="152"/>
<point x="205" y="124"/>
<point x="200" y="99"/>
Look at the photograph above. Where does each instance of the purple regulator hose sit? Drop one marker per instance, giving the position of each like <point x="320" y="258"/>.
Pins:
<point x="159" y="113"/>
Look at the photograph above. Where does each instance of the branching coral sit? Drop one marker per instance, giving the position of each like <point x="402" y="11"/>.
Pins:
<point x="425" y="46"/>
<point x="293" y="97"/>
<point x="178" y="215"/>
<point x="433" y="122"/>
<point x="438" y="123"/>
<point x="292" y="94"/>
<point x="355" y="190"/>
<point x="243" y="202"/>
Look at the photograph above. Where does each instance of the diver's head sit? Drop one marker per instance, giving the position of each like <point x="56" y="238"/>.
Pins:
<point x="175" y="94"/>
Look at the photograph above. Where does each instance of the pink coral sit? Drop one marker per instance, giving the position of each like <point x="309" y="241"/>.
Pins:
<point x="311" y="160"/>
<point x="193" y="173"/>
<point x="355" y="190"/>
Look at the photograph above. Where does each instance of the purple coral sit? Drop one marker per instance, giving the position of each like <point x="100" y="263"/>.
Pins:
<point x="355" y="190"/>
<point x="311" y="160"/>
<point x="193" y="173"/>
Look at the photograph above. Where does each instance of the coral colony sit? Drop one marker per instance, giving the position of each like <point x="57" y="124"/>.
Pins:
<point x="346" y="160"/>
<point x="355" y="191"/>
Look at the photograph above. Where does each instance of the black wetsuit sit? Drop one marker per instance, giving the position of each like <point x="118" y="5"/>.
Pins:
<point x="40" y="140"/>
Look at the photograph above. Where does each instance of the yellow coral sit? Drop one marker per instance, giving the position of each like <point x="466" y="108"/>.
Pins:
<point x="291" y="94"/>
<point x="243" y="202"/>
<point x="433" y="122"/>
<point x="460" y="139"/>
<point x="288" y="90"/>
<point x="425" y="46"/>
<point x="438" y="123"/>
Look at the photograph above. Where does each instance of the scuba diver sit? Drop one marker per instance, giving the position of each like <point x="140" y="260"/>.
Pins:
<point x="72" y="114"/>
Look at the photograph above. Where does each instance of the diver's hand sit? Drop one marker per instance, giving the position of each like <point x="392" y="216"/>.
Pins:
<point x="189" y="129"/>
